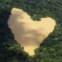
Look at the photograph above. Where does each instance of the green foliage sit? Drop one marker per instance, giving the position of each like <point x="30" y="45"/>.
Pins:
<point x="50" y="50"/>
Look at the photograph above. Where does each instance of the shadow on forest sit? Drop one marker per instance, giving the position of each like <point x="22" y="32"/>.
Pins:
<point x="9" y="48"/>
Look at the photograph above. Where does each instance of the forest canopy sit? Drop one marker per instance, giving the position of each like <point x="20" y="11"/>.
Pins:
<point x="50" y="51"/>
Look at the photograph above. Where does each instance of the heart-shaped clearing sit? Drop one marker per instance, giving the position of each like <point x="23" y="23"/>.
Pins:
<point x="27" y="32"/>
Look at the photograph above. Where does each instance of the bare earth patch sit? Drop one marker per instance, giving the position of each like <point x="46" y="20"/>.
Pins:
<point x="27" y="32"/>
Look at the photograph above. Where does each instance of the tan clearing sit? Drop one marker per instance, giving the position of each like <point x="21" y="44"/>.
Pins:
<point x="27" y="32"/>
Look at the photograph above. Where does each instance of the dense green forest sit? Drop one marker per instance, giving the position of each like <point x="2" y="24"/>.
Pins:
<point x="50" y="50"/>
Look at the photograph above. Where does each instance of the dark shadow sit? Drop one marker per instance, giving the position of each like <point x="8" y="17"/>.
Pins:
<point x="9" y="48"/>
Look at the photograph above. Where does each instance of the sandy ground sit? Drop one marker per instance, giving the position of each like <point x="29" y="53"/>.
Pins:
<point x="27" y="32"/>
